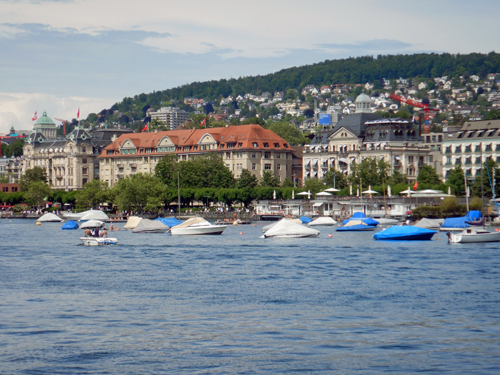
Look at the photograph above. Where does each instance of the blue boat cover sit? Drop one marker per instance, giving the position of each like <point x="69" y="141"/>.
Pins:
<point x="70" y="225"/>
<point x="358" y="215"/>
<point x="305" y="219"/>
<point x="473" y="216"/>
<point x="169" y="222"/>
<point x="405" y="233"/>
<point x="455" y="222"/>
<point x="356" y="227"/>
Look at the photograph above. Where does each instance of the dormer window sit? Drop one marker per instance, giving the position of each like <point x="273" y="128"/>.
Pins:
<point x="255" y="144"/>
<point x="266" y="145"/>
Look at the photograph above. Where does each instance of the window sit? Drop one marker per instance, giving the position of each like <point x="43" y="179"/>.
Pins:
<point x="458" y="149"/>
<point x="254" y="167"/>
<point x="278" y="155"/>
<point x="228" y="155"/>
<point x="278" y="167"/>
<point x="221" y="146"/>
<point x="254" y="155"/>
<point x="266" y="145"/>
<point x="205" y="147"/>
<point x="84" y="149"/>
<point x="276" y="145"/>
<point x="477" y="149"/>
<point x="267" y="167"/>
<point x="410" y="159"/>
<point x="255" y="144"/>
<point x="186" y="148"/>
<point x="240" y="144"/>
<point x="231" y="145"/>
<point x="84" y="170"/>
<point x="267" y="155"/>
<point x="84" y="161"/>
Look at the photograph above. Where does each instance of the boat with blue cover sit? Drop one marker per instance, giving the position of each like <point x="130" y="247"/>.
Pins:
<point x="355" y="225"/>
<point x="405" y="233"/>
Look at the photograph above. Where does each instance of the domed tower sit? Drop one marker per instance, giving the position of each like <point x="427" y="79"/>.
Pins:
<point x="363" y="103"/>
<point x="46" y="126"/>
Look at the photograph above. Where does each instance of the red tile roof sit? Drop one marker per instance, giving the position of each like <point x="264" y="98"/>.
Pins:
<point x="243" y="137"/>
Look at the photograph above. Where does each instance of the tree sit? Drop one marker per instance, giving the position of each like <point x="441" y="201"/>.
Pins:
<point x="428" y="175"/>
<point x="369" y="172"/>
<point x="166" y="170"/>
<point x="456" y="180"/>
<point x="313" y="185"/>
<point x="289" y="132"/>
<point x="247" y="180"/>
<point x="397" y="178"/>
<point x="37" y="192"/>
<point x="287" y="183"/>
<point x="335" y="179"/>
<point x="268" y="180"/>
<point x="35" y="174"/>
<point x="93" y="193"/>
<point x="141" y="192"/>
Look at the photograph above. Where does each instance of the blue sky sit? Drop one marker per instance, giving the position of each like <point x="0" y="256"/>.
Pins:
<point x="61" y="55"/>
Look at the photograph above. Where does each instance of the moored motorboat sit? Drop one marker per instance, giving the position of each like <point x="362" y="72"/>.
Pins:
<point x="98" y="241"/>
<point x="470" y="235"/>
<point x="355" y="225"/>
<point x="288" y="229"/>
<point x="405" y="233"/>
<point x="197" y="226"/>
<point x="322" y="221"/>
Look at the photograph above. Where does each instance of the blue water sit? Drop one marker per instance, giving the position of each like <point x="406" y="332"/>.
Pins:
<point x="240" y="304"/>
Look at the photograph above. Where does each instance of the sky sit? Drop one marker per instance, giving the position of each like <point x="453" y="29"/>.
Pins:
<point x="62" y="55"/>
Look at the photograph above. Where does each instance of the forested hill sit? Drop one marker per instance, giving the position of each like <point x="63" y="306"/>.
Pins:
<point x="351" y="70"/>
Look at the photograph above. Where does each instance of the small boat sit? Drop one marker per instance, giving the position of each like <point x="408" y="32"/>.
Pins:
<point x="405" y="233"/>
<point x="49" y="217"/>
<point x="433" y="224"/>
<point x="355" y="225"/>
<point x="470" y="235"/>
<point x="288" y="229"/>
<point x="197" y="226"/>
<point x="150" y="226"/>
<point x="98" y="241"/>
<point x="479" y="222"/>
<point x="386" y="221"/>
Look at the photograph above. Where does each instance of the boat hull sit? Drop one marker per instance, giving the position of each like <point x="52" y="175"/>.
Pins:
<point x="351" y="229"/>
<point x="98" y="241"/>
<point x="293" y="236"/>
<point x="474" y="237"/>
<point x="416" y="237"/>
<point x="201" y="230"/>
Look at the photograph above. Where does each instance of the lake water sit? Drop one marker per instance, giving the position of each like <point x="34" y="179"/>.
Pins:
<point x="237" y="303"/>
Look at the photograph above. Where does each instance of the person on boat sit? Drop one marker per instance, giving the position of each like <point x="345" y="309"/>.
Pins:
<point x="95" y="233"/>
<point x="104" y="233"/>
<point x="87" y="232"/>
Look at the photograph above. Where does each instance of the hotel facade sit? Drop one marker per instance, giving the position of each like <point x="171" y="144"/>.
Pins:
<point x="241" y="147"/>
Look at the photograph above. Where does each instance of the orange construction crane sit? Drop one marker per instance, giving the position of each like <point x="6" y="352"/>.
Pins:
<point x="64" y="124"/>
<point x="424" y="106"/>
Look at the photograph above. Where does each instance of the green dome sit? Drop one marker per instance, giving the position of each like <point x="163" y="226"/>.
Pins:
<point x="44" y="120"/>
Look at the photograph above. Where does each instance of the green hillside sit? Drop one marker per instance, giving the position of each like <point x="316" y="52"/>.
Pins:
<point x="351" y="70"/>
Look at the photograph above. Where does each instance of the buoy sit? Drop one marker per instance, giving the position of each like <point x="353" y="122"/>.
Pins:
<point x="235" y="223"/>
<point x="330" y="235"/>
<point x="241" y="232"/>
<point x="496" y="229"/>
<point x="38" y="223"/>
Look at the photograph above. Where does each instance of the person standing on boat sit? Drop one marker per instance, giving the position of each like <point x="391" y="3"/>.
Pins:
<point x="87" y="232"/>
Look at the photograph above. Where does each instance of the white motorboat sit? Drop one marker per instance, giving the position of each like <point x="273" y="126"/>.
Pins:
<point x="98" y="241"/>
<point x="196" y="226"/>
<point x="473" y="235"/>
<point x="288" y="229"/>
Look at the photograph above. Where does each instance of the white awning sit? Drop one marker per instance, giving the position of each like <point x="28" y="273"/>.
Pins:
<point x="363" y="157"/>
<point x="325" y="159"/>
<point x="397" y="157"/>
<point x="307" y="173"/>
<point x="383" y="144"/>
<point x="315" y="162"/>
<point x="343" y="160"/>
<point x="381" y="157"/>
<point x="332" y="159"/>
<point x="318" y="204"/>
<point x="377" y="144"/>
<point x="315" y="173"/>
<point x="353" y="158"/>
<point x="308" y="161"/>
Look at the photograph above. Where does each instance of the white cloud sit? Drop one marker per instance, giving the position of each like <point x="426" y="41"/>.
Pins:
<point x="17" y="109"/>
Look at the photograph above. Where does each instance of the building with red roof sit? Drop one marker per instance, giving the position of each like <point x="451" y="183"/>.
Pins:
<point x="241" y="147"/>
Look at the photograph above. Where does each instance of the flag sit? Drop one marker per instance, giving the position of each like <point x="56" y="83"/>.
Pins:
<point x="34" y="117"/>
<point x="78" y="114"/>
<point x="415" y="186"/>
<point x="204" y="122"/>
<point x="145" y="128"/>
